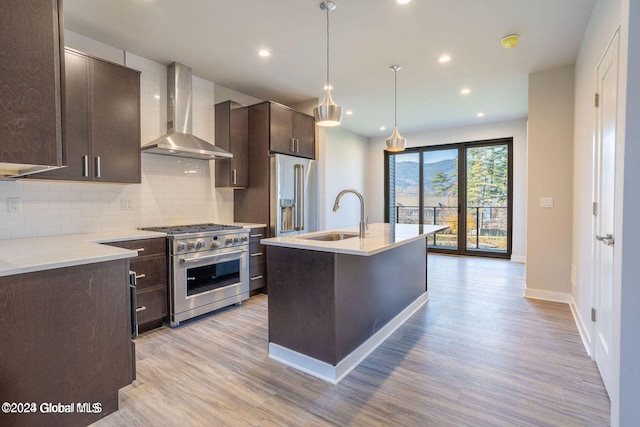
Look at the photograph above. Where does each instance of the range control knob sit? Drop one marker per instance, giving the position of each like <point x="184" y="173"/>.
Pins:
<point x="244" y="238"/>
<point x="215" y="244"/>
<point x="190" y="245"/>
<point x="235" y="239"/>
<point x="228" y="241"/>
<point x="181" y="247"/>
<point x="200" y="244"/>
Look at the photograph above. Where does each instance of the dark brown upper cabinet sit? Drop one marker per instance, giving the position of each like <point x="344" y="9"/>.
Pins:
<point x="232" y="134"/>
<point x="102" y="121"/>
<point x="31" y="83"/>
<point x="291" y="132"/>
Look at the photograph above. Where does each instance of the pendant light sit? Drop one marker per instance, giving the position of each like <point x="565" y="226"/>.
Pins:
<point x="395" y="142"/>
<point x="327" y="113"/>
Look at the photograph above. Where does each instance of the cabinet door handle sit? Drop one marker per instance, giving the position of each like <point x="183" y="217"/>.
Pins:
<point x="140" y="276"/>
<point x="256" y="235"/>
<point x="141" y="308"/>
<point x="256" y="254"/>
<point x="293" y="145"/>
<point x="234" y="174"/>
<point x="98" y="167"/>
<point x="297" y="145"/>
<point x="256" y="278"/>
<point x="138" y="250"/>
<point x="85" y="167"/>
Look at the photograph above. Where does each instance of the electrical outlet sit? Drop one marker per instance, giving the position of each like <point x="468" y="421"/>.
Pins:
<point x="546" y="202"/>
<point x="14" y="204"/>
<point x="126" y="204"/>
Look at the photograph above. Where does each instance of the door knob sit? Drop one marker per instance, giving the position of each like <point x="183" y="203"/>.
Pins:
<point x="607" y="239"/>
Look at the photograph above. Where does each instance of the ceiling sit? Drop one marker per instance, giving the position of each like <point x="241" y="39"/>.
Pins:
<point x="220" y="40"/>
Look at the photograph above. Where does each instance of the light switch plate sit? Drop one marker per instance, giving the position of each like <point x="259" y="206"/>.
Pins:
<point x="546" y="202"/>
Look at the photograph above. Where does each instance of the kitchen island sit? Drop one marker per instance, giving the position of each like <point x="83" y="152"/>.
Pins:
<point x="332" y="302"/>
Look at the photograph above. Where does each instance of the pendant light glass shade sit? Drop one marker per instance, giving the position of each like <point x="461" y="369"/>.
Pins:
<point x="396" y="142"/>
<point x="328" y="113"/>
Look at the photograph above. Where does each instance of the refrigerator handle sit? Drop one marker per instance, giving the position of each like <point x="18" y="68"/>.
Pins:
<point x="298" y="194"/>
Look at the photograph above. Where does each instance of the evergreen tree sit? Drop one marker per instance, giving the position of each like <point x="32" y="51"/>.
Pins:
<point x="441" y="183"/>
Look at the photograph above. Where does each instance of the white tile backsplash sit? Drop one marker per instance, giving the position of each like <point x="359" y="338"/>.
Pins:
<point x="173" y="190"/>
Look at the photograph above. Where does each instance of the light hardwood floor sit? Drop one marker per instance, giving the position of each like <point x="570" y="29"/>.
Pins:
<point x="477" y="354"/>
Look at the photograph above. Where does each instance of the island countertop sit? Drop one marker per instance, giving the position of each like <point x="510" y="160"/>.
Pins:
<point x="380" y="237"/>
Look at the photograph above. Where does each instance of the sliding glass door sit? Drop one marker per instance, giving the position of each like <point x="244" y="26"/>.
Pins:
<point x="440" y="195"/>
<point x="487" y="198"/>
<point x="466" y="186"/>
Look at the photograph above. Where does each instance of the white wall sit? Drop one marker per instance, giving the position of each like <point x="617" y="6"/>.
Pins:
<point x="626" y="411"/>
<point x="605" y="18"/>
<point x="223" y="93"/>
<point x="607" y="15"/>
<point x="173" y="190"/>
<point x="550" y="174"/>
<point x="343" y="165"/>
<point x="512" y="128"/>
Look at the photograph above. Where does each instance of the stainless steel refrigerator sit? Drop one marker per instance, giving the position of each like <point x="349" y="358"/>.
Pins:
<point x="294" y="195"/>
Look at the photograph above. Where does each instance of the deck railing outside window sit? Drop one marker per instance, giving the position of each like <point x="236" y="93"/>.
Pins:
<point x="486" y="225"/>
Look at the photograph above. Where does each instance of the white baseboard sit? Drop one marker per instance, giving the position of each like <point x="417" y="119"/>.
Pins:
<point x="582" y="328"/>
<point x="547" y="295"/>
<point x="335" y="374"/>
<point x="519" y="258"/>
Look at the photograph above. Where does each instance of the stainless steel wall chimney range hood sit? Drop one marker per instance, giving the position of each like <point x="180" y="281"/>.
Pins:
<point x="179" y="140"/>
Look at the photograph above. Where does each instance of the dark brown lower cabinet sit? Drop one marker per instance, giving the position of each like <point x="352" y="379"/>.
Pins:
<point x="257" y="261"/>
<point x="150" y="267"/>
<point x="325" y="305"/>
<point x="65" y="340"/>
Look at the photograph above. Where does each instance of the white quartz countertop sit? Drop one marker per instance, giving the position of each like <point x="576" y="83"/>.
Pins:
<point x="378" y="238"/>
<point x="19" y="256"/>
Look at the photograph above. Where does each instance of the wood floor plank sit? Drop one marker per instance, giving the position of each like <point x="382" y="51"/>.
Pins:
<point x="477" y="354"/>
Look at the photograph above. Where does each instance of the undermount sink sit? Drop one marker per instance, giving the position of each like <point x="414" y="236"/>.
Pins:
<point x="329" y="237"/>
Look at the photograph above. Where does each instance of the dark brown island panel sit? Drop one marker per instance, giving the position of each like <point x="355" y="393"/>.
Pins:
<point x="328" y="311"/>
<point x="65" y="340"/>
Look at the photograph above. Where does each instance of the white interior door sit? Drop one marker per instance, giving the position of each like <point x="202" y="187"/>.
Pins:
<point x="604" y="252"/>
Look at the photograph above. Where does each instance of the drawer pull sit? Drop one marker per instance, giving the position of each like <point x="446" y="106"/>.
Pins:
<point x="256" y="235"/>
<point x="139" y="249"/>
<point x="142" y="308"/>
<point x="257" y="254"/>
<point x="141" y="276"/>
<point x="256" y="278"/>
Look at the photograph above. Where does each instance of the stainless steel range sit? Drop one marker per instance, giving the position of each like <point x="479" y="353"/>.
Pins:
<point x="208" y="268"/>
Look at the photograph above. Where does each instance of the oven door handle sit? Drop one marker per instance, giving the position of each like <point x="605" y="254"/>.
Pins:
<point x="202" y="258"/>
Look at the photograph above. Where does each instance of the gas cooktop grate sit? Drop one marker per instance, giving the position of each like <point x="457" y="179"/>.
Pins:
<point x="192" y="228"/>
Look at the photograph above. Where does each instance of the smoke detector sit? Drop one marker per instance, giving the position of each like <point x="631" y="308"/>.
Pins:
<point x="510" y="41"/>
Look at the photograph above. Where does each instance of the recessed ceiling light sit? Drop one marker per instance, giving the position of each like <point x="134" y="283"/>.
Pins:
<point x="465" y="91"/>
<point x="444" y="58"/>
<point x="382" y="128"/>
<point x="348" y="112"/>
<point x="156" y="96"/>
<point x="264" y="52"/>
<point x="480" y="114"/>
<point x="402" y="1"/>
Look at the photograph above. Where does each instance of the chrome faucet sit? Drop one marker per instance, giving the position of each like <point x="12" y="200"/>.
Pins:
<point x="336" y="206"/>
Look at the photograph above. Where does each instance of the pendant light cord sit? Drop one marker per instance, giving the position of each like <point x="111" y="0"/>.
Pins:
<point x="327" y="48"/>
<point x="395" y="98"/>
